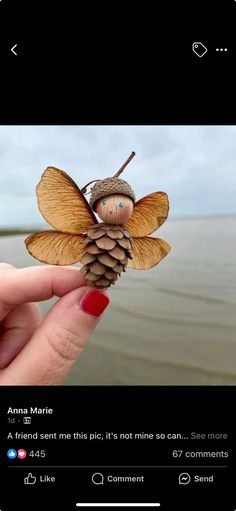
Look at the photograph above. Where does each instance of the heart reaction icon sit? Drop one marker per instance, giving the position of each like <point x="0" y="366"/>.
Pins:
<point x="21" y="453"/>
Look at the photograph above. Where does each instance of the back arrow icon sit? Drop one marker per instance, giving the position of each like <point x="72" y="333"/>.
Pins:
<point x="13" y="49"/>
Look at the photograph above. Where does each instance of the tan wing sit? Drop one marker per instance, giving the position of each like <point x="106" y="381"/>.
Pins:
<point x="62" y="204"/>
<point x="149" y="213"/>
<point x="147" y="252"/>
<point x="53" y="247"/>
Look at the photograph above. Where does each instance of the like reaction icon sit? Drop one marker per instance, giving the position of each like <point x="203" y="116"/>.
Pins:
<point x="11" y="454"/>
<point x="30" y="479"/>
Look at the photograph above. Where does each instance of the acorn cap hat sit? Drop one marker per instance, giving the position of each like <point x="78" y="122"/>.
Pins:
<point x="110" y="186"/>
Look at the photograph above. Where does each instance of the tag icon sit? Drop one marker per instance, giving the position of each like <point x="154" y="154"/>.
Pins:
<point x="199" y="49"/>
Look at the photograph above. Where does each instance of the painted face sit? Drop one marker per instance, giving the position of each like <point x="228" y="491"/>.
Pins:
<point x="115" y="209"/>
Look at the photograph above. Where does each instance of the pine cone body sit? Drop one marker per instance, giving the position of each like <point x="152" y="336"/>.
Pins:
<point x="108" y="248"/>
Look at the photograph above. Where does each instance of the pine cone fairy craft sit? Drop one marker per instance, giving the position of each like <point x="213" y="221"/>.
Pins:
<point x="104" y="248"/>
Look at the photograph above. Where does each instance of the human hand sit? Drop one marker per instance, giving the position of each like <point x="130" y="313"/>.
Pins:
<point x="41" y="352"/>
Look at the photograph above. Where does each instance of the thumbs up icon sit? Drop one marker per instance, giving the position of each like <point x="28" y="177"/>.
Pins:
<point x="30" y="479"/>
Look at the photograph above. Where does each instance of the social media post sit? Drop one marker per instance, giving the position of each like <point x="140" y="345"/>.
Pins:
<point x="117" y="258"/>
<point x="119" y="447"/>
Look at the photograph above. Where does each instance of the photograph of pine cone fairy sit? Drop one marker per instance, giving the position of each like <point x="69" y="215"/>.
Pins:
<point x="147" y="214"/>
<point x="104" y="248"/>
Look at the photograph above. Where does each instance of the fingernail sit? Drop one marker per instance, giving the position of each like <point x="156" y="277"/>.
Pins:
<point x="94" y="302"/>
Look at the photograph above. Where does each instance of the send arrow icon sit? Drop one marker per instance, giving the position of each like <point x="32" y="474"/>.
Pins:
<point x="13" y="49"/>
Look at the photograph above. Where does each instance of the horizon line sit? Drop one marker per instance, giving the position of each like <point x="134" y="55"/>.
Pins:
<point x="188" y="217"/>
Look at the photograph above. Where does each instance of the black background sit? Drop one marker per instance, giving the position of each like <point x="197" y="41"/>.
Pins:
<point x="98" y="64"/>
<point x="121" y="409"/>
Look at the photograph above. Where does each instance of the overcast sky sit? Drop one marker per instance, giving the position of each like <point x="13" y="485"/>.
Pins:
<point x="195" y="165"/>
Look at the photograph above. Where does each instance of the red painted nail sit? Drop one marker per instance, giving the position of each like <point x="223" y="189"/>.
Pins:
<point x="94" y="302"/>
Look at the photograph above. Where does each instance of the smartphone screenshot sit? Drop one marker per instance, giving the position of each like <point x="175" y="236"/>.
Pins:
<point x="117" y="256"/>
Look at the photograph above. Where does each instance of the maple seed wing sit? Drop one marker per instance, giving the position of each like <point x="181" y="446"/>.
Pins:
<point x="147" y="252"/>
<point x="62" y="204"/>
<point x="53" y="247"/>
<point x="149" y="214"/>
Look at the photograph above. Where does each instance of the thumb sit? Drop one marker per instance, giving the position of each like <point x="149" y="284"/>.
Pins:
<point x="30" y="478"/>
<point x="59" y="340"/>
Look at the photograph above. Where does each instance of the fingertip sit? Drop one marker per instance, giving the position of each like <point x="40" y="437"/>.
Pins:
<point x="68" y="279"/>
